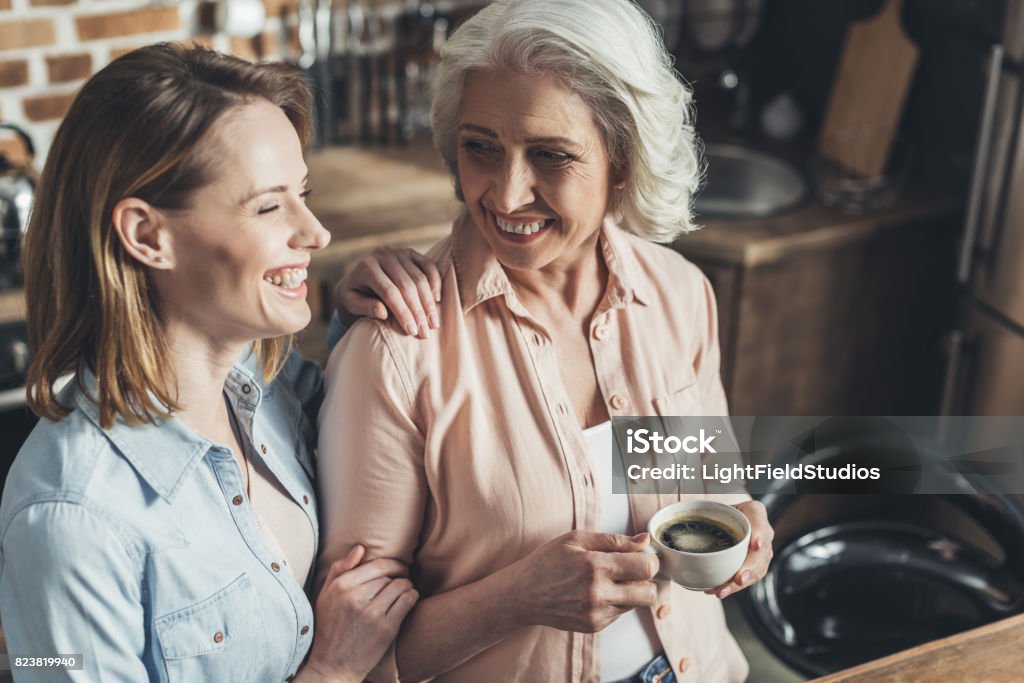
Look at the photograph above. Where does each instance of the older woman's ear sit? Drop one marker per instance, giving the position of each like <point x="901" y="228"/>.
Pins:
<point x="143" y="232"/>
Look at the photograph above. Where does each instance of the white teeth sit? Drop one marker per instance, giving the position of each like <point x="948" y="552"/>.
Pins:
<point x="520" y="228"/>
<point x="289" y="278"/>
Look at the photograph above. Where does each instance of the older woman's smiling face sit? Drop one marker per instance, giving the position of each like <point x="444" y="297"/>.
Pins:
<point x="533" y="168"/>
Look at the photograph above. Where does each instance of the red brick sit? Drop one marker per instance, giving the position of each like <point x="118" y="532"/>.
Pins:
<point x="13" y="72"/>
<point x="27" y="33"/>
<point x="47" y="107"/>
<point x="63" y="68"/>
<point x="113" y="24"/>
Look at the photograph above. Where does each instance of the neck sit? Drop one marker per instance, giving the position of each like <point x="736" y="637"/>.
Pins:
<point x="574" y="288"/>
<point x="201" y="365"/>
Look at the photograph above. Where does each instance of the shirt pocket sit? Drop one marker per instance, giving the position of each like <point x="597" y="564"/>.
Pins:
<point x="681" y="402"/>
<point x="217" y="639"/>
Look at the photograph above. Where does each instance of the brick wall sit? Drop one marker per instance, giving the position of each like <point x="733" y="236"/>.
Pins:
<point x="49" y="47"/>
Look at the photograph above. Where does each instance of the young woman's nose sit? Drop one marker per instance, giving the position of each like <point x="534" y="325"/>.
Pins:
<point x="309" y="232"/>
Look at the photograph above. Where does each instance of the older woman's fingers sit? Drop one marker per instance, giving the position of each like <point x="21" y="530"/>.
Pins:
<point x="429" y="268"/>
<point x="426" y="294"/>
<point x="392" y="265"/>
<point x="754" y="568"/>
<point x="629" y="566"/>
<point x="626" y="594"/>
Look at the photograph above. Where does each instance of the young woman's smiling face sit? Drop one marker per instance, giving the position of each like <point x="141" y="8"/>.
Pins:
<point x="533" y="168"/>
<point x="242" y="248"/>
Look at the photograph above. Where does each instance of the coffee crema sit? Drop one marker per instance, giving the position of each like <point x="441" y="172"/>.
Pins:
<point x="692" y="534"/>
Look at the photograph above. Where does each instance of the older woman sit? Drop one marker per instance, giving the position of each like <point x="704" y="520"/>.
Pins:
<point x="480" y="457"/>
<point x="161" y="521"/>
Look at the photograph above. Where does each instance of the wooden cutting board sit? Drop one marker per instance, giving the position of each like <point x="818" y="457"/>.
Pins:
<point x="871" y="85"/>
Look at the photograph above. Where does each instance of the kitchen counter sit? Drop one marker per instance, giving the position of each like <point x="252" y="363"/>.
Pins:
<point x="991" y="653"/>
<point x="756" y="241"/>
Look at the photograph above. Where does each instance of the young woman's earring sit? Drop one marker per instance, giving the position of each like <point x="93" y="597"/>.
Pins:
<point x="160" y="259"/>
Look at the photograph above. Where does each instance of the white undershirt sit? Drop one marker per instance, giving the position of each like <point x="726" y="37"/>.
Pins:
<point x="630" y="641"/>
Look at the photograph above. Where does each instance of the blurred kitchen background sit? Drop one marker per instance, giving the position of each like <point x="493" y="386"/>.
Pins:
<point x="862" y="230"/>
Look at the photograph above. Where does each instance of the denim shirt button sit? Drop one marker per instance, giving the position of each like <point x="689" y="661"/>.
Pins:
<point x="237" y="500"/>
<point x="305" y="499"/>
<point x="218" y="637"/>
<point x="246" y="388"/>
<point x="304" y="630"/>
<point x="275" y="566"/>
<point x="263" y="448"/>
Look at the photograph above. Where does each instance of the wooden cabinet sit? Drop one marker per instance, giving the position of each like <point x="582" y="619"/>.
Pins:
<point x="826" y="314"/>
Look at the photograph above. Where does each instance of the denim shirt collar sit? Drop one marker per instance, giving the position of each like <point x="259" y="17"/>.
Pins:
<point x="164" y="453"/>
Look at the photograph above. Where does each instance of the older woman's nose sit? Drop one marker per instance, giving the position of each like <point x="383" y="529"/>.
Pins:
<point x="513" y="187"/>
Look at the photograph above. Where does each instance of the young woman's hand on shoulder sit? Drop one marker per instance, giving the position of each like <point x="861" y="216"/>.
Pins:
<point x="400" y="281"/>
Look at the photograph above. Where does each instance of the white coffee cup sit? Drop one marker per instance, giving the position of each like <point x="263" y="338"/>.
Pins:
<point x="700" y="571"/>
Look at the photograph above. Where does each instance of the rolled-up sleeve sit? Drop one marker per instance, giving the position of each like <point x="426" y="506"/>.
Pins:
<point x="372" y="483"/>
<point x="69" y="584"/>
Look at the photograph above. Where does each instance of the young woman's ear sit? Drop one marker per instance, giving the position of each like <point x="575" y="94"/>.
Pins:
<point x="143" y="233"/>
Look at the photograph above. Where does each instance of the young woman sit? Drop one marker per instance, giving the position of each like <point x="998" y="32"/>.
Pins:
<point x="161" y="521"/>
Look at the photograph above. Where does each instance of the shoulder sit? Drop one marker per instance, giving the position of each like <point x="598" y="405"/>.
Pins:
<point x="662" y="262"/>
<point x="58" y="458"/>
<point x="70" y="465"/>
<point x="670" y="281"/>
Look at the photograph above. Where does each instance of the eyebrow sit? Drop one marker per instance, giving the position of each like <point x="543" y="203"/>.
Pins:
<point x="276" y="188"/>
<point x="547" y="140"/>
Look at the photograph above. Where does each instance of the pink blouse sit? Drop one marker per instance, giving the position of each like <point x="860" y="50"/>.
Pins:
<point x="461" y="454"/>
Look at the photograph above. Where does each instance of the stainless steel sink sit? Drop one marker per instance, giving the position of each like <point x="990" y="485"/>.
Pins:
<point x="745" y="183"/>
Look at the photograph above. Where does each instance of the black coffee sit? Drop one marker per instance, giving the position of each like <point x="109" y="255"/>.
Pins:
<point x="696" y="535"/>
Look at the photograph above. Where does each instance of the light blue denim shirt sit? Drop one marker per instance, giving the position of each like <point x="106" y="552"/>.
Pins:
<point x="136" y="547"/>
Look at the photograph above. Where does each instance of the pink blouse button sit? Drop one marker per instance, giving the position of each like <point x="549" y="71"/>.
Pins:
<point x="619" y="402"/>
<point x="601" y="333"/>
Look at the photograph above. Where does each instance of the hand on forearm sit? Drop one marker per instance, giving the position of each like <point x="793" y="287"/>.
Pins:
<point x="445" y="630"/>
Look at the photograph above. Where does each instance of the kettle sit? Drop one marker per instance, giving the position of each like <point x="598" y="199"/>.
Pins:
<point x="17" y="190"/>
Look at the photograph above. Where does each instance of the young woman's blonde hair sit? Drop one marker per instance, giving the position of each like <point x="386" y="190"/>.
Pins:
<point x="136" y="129"/>
<point x="610" y="54"/>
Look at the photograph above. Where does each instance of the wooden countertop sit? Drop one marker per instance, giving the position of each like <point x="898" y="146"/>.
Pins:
<point x="989" y="654"/>
<point x="813" y="225"/>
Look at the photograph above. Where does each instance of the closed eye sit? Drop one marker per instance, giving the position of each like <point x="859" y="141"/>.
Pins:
<point x="274" y="207"/>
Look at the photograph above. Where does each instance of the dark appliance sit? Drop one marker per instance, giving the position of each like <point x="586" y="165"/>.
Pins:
<point x="985" y="373"/>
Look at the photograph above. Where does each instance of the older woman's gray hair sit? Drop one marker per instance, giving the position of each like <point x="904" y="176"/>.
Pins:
<point x="610" y="54"/>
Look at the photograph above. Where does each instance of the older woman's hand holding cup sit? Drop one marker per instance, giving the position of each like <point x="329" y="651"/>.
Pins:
<point x="583" y="580"/>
